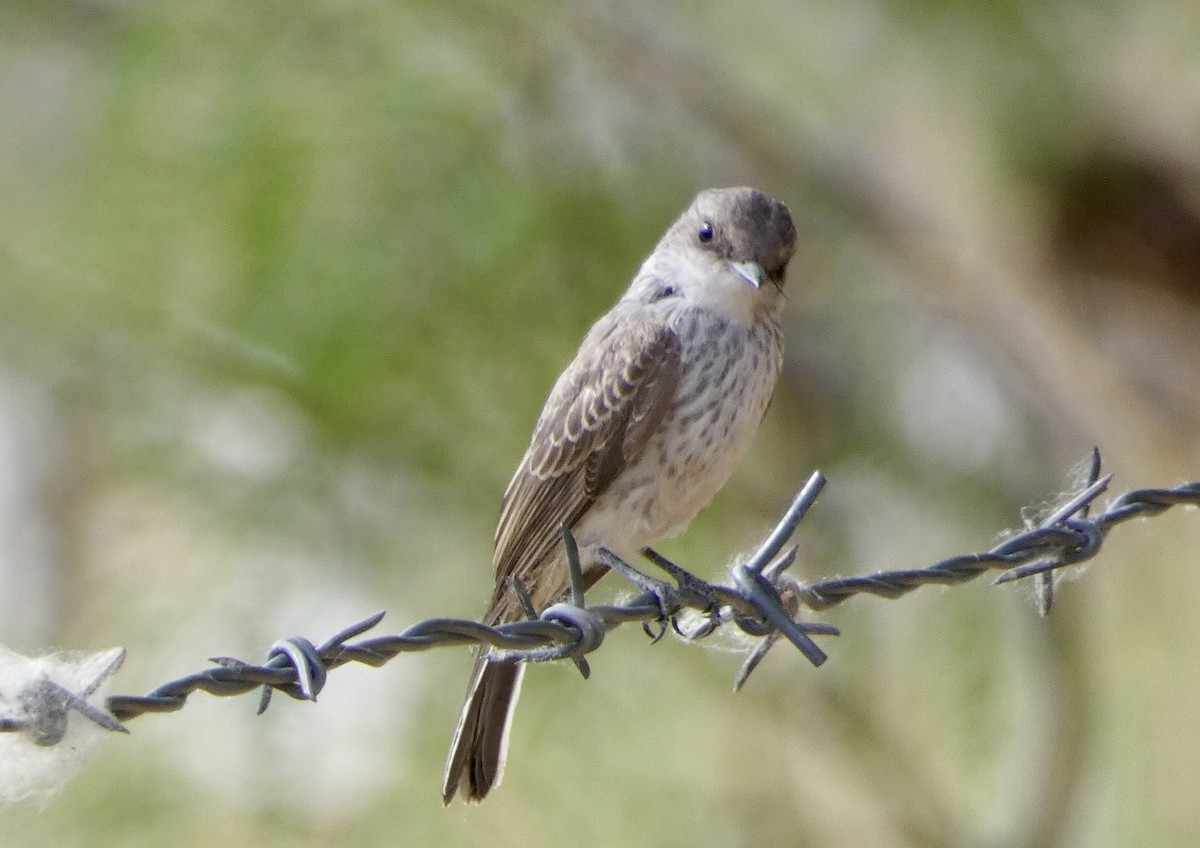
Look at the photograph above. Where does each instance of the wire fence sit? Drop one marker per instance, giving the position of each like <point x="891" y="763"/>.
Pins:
<point x="763" y="601"/>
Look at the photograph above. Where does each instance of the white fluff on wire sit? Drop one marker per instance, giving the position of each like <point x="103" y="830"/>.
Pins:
<point x="48" y="736"/>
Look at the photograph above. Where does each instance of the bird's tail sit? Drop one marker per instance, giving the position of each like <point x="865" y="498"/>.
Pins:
<point x="476" y="760"/>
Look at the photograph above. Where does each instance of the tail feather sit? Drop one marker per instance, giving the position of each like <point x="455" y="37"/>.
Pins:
<point x="477" y="752"/>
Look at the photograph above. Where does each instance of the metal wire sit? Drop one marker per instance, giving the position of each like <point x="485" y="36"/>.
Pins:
<point x="763" y="601"/>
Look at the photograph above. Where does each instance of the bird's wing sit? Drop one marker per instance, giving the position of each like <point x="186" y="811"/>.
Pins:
<point x="597" y="420"/>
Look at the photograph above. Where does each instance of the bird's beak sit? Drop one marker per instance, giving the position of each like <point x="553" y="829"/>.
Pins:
<point x="751" y="272"/>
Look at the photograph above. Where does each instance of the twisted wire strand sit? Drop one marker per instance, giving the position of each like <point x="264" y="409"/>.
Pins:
<point x="1069" y="540"/>
<point x="763" y="601"/>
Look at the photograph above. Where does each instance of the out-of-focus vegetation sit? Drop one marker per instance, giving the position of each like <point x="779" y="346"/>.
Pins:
<point x="285" y="284"/>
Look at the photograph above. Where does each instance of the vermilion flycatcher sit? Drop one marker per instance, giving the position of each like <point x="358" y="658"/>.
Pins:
<point x="640" y="431"/>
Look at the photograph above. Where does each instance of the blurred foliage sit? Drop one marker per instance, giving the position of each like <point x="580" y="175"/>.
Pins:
<point x="285" y="284"/>
<point x="322" y="204"/>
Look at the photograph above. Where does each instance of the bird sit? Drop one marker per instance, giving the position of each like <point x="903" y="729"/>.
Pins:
<point x="639" y="432"/>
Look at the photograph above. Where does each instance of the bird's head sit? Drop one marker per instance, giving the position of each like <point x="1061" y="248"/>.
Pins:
<point x="729" y="252"/>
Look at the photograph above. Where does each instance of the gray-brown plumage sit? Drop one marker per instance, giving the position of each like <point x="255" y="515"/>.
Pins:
<point x="640" y="431"/>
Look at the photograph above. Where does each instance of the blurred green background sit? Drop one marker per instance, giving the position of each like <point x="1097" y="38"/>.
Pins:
<point x="283" y="286"/>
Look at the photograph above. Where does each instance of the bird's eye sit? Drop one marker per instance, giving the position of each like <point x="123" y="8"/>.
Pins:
<point x="665" y="291"/>
<point x="706" y="232"/>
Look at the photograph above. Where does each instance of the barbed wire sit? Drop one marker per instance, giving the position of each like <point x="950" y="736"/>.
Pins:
<point x="763" y="601"/>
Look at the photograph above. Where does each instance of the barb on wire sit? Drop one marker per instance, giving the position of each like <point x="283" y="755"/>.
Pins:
<point x="1045" y="580"/>
<point x="763" y="601"/>
<point x="42" y="708"/>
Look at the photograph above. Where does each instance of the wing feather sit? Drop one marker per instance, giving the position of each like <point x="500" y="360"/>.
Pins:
<point x="598" y="419"/>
